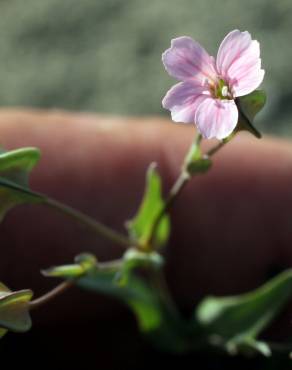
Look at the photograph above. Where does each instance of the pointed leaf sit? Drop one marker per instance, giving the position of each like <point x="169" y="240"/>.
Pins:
<point x="238" y="320"/>
<point x="140" y="227"/>
<point x="15" y="166"/>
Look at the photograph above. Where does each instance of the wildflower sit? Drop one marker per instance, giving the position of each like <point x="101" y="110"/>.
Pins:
<point x="206" y="96"/>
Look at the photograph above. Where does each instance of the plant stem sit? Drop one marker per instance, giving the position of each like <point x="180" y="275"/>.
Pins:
<point x="58" y="290"/>
<point x="217" y="147"/>
<point x="183" y="179"/>
<point x="89" y="222"/>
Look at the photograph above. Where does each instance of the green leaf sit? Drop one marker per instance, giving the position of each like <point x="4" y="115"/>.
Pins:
<point x="91" y="277"/>
<point x="135" y="294"/>
<point x="14" y="310"/>
<point x="236" y="321"/>
<point x="15" y="166"/>
<point x="164" y="329"/>
<point x="248" y="106"/>
<point x="140" y="227"/>
<point x="153" y="317"/>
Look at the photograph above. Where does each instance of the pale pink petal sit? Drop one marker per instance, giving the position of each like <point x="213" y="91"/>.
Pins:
<point x="183" y="100"/>
<point x="216" y="118"/>
<point x="186" y="59"/>
<point x="239" y="63"/>
<point x="245" y="76"/>
<point x="231" y="48"/>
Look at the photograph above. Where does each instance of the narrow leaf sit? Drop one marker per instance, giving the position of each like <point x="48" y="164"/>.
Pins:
<point x="140" y="227"/>
<point x="238" y="320"/>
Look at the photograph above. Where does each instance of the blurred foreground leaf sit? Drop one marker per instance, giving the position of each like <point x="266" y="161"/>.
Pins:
<point x="248" y="106"/>
<point x="140" y="227"/>
<point x="14" y="310"/>
<point x="153" y="317"/>
<point x="15" y="166"/>
<point x="235" y="322"/>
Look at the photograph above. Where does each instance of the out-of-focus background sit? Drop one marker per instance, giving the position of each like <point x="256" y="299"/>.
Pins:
<point x="104" y="55"/>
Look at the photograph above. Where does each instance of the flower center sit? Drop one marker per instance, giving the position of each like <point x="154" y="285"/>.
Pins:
<point x="220" y="90"/>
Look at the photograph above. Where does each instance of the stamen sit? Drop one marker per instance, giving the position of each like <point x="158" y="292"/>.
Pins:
<point x="224" y="91"/>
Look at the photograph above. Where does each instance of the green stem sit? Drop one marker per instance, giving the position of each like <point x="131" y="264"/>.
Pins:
<point x="44" y="299"/>
<point x="89" y="222"/>
<point x="183" y="179"/>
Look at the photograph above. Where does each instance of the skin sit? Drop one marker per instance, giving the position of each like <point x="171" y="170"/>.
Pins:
<point x="231" y="227"/>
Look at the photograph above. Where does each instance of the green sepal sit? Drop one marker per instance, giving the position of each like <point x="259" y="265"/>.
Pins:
<point x="141" y="226"/>
<point x="195" y="162"/>
<point x="248" y="106"/>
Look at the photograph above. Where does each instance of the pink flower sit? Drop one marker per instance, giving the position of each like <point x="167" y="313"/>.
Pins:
<point x="206" y="95"/>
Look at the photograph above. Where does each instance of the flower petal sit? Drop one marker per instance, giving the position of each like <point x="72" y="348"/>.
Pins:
<point x="216" y="118"/>
<point x="186" y="58"/>
<point x="239" y="63"/>
<point x="183" y="100"/>
<point x="233" y="45"/>
<point x="245" y="76"/>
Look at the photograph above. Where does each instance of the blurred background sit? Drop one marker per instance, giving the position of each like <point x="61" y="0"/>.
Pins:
<point x="105" y="55"/>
